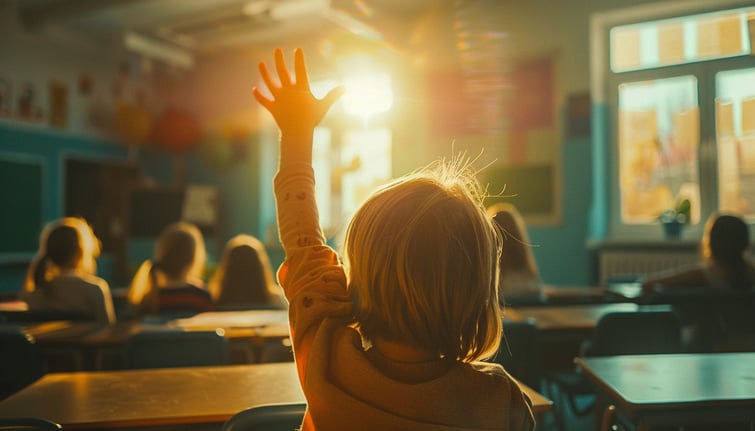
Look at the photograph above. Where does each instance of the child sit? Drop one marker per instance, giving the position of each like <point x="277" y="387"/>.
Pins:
<point x="244" y="277"/>
<point x="519" y="279"/>
<point x="62" y="277"/>
<point x="394" y="345"/>
<point x="172" y="282"/>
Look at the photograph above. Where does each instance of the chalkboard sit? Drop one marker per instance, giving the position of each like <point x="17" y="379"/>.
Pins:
<point x="21" y="197"/>
<point x="531" y="188"/>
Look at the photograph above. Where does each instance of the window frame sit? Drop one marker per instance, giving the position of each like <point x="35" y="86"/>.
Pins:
<point x="605" y="88"/>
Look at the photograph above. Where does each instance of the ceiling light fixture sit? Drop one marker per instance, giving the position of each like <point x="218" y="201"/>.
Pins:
<point x="158" y="50"/>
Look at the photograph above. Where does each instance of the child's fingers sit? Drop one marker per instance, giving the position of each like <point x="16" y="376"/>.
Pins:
<point x="300" y="68"/>
<point x="265" y="74"/>
<point x="332" y="96"/>
<point x="280" y="67"/>
<point x="264" y="101"/>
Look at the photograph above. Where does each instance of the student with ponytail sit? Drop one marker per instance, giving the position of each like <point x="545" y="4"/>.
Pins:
<point x="62" y="277"/>
<point x="172" y="281"/>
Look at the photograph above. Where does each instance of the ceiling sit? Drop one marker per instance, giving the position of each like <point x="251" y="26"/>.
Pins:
<point x="207" y="26"/>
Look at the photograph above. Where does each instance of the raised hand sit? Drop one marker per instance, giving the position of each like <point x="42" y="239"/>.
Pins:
<point x="296" y="110"/>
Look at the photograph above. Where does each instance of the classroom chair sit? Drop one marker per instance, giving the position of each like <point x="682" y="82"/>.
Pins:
<point x="21" y="361"/>
<point x="619" y="333"/>
<point x="520" y="354"/>
<point x="270" y="417"/>
<point x="28" y="424"/>
<point x="175" y="348"/>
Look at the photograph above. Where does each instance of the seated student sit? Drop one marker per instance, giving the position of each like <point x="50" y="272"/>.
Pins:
<point x="172" y="282"/>
<point x="392" y="340"/>
<point x="714" y="323"/>
<point x="519" y="279"/>
<point x="62" y="277"/>
<point x="244" y="276"/>
<point x="725" y="262"/>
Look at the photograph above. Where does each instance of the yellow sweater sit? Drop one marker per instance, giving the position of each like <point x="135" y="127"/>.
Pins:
<point x="346" y="386"/>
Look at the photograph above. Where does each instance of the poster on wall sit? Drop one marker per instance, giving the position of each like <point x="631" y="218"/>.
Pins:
<point x="27" y="103"/>
<point x="58" y="104"/>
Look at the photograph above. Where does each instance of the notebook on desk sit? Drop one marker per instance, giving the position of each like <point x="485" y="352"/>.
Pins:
<point x="629" y="287"/>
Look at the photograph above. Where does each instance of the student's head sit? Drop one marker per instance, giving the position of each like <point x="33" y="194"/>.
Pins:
<point x="516" y="245"/>
<point x="244" y="275"/>
<point x="179" y="257"/>
<point x="66" y="244"/>
<point x="726" y="239"/>
<point x="422" y="260"/>
<point x="180" y="252"/>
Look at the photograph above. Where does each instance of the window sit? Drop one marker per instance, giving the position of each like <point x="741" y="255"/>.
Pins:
<point x="658" y="145"/>
<point x="735" y="138"/>
<point x="681" y="92"/>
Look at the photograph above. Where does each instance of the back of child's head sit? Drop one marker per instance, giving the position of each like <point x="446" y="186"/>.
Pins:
<point x="180" y="251"/>
<point x="516" y="253"/>
<point x="422" y="259"/>
<point x="180" y="254"/>
<point x="244" y="275"/>
<point x="66" y="244"/>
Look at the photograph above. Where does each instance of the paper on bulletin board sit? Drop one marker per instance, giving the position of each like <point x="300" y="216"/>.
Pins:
<point x="200" y="205"/>
<point x="625" y="49"/>
<point x="671" y="43"/>
<point x="687" y="128"/>
<point x="748" y="115"/>
<point x="747" y="155"/>
<point x="729" y="34"/>
<point x="724" y="118"/>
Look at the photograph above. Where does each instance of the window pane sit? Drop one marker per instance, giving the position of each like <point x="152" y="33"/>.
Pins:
<point x="659" y="134"/>
<point x="735" y="136"/>
<point x="680" y="40"/>
<point x="365" y="165"/>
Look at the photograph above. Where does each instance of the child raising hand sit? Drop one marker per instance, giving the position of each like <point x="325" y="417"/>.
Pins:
<point x="393" y="340"/>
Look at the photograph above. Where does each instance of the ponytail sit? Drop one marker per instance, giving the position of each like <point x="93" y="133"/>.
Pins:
<point x="142" y="293"/>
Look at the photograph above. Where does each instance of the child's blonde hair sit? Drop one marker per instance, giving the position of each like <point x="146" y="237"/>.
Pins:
<point x="179" y="254"/>
<point x="244" y="275"/>
<point x="65" y="244"/>
<point x="517" y="251"/>
<point x="422" y="260"/>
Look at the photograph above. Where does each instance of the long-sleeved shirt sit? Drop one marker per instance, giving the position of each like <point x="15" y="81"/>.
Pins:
<point x="87" y="294"/>
<point x="349" y="387"/>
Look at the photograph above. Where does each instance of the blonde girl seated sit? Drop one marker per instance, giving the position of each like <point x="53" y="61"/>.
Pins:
<point x="519" y="280"/>
<point x="244" y="277"/>
<point x="393" y="340"/>
<point x="172" y="281"/>
<point x="62" y="277"/>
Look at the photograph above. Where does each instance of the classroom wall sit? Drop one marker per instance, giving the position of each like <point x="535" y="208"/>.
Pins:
<point x="220" y="90"/>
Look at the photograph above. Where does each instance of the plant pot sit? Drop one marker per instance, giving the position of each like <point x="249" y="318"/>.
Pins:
<point x="672" y="229"/>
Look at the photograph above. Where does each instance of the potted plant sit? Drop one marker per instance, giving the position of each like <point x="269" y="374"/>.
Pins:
<point x="674" y="219"/>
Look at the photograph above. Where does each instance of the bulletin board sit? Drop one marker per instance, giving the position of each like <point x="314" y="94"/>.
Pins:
<point x="21" y="194"/>
<point x="531" y="188"/>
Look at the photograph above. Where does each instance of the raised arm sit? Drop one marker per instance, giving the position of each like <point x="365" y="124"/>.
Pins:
<point x="295" y="109"/>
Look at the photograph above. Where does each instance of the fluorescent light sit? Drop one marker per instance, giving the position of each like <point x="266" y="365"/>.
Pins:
<point x="158" y="50"/>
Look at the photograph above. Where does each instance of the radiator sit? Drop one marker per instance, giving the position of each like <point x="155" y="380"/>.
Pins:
<point x="631" y="264"/>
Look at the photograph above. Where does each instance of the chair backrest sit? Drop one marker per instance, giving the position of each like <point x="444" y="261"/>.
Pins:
<point x="637" y="333"/>
<point x="175" y="348"/>
<point x="45" y="316"/>
<point x="28" y="424"/>
<point x="714" y="315"/>
<point x="20" y="360"/>
<point x="270" y="417"/>
<point x="519" y="352"/>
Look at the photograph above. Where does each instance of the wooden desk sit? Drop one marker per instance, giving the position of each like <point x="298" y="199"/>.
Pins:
<point x="566" y="317"/>
<point x="90" y="342"/>
<point x="654" y="390"/>
<point x="164" y="397"/>
<point x="151" y="398"/>
<point x="563" y="328"/>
